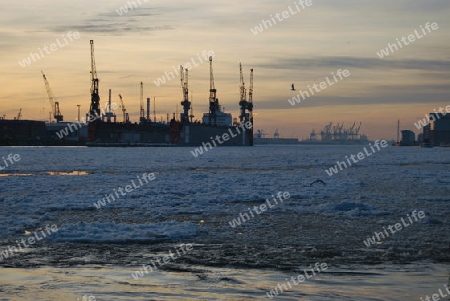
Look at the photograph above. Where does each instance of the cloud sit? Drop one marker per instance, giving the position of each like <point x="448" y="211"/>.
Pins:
<point x="109" y="27"/>
<point x="110" y="23"/>
<point x="398" y="6"/>
<point x="416" y="96"/>
<point x="332" y="62"/>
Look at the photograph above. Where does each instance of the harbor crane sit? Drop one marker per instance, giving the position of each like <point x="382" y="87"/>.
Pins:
<point x="53" y="103"/>
<point x="246" y="105"/>
<point x="243" y="95"/>
<point x="276" y="134"/>
<point x="213" y="101"/>
<point x="191" y="117"/>
<point x="19" y="115"/>
<point x="351" y="131"/>
<point x="185" y="87"/>
<point x="250" y="97"/>
<point x="126" y="118"/>
<point x="95" y="98"/>
<point x="243" y="91"/>
<point x="326" y="132"/>
<point x="357" y="130"/>
<point x="337" y="131"/>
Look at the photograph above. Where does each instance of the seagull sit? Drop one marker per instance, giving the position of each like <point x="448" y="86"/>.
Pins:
<point x="292" y="87"/>
<point x="318" y="181"/>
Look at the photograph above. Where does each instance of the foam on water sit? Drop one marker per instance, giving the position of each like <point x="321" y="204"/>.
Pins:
<point x="192" y="200"/>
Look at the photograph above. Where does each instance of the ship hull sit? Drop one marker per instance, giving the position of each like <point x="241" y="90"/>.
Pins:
<point x="104" y="133"/>
<point x="173" y="134"/>
<point x="200" y="135"/>
<point x="109" y="134"/>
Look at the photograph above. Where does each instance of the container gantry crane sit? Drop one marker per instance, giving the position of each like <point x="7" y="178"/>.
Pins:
<point x="357" y="131"/>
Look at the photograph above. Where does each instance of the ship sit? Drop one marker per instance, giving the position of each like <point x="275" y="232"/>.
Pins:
<point x="216" y="128"/>
<point x="181" y="130"/>
<point x="276" y="139"/>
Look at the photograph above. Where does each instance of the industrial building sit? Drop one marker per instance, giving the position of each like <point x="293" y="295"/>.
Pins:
<point x="408" y="138"/>
<point x="437" y="132"/>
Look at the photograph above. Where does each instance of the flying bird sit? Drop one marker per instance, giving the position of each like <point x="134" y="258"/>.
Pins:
<point x="318" y="181"/>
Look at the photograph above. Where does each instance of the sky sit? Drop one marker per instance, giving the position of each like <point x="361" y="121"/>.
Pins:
<point x="302" y="46"/>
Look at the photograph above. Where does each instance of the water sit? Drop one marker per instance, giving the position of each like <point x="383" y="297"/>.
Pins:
<point x="193" y="200"/>
<point x="399" y="282"/>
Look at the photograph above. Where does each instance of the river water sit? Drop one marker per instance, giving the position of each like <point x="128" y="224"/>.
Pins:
<point x="194" y="201"/>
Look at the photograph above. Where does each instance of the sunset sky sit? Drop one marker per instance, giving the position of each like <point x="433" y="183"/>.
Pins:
<point x="303" y="49"/>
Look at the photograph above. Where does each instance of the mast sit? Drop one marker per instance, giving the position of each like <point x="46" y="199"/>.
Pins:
<point x="141" y="101"/>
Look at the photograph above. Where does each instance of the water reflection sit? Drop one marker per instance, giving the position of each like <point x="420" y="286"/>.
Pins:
<point x="50" y="173"/>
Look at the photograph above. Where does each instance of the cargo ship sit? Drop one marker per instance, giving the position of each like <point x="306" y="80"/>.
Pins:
<point x="216" y="127"/>
<point x="276" y="139"/>
<point x="181" y="131"/>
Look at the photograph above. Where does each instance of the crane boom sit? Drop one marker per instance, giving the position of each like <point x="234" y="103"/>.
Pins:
<point x="124" y="111"/>
<point x="358" y="129"/>
<point x="93" y="67"/>
<point x="246" y="105"/>
<point x="185" y="87"/>
<point x="250" y="108"/>
<point x="53" y="103"/>
<point x="213" y="103"/>
<point x="95" y="98"/>
<point x="242" y="84"/>
<point x="250" y="97"/>
<point x="242" y="99"/>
